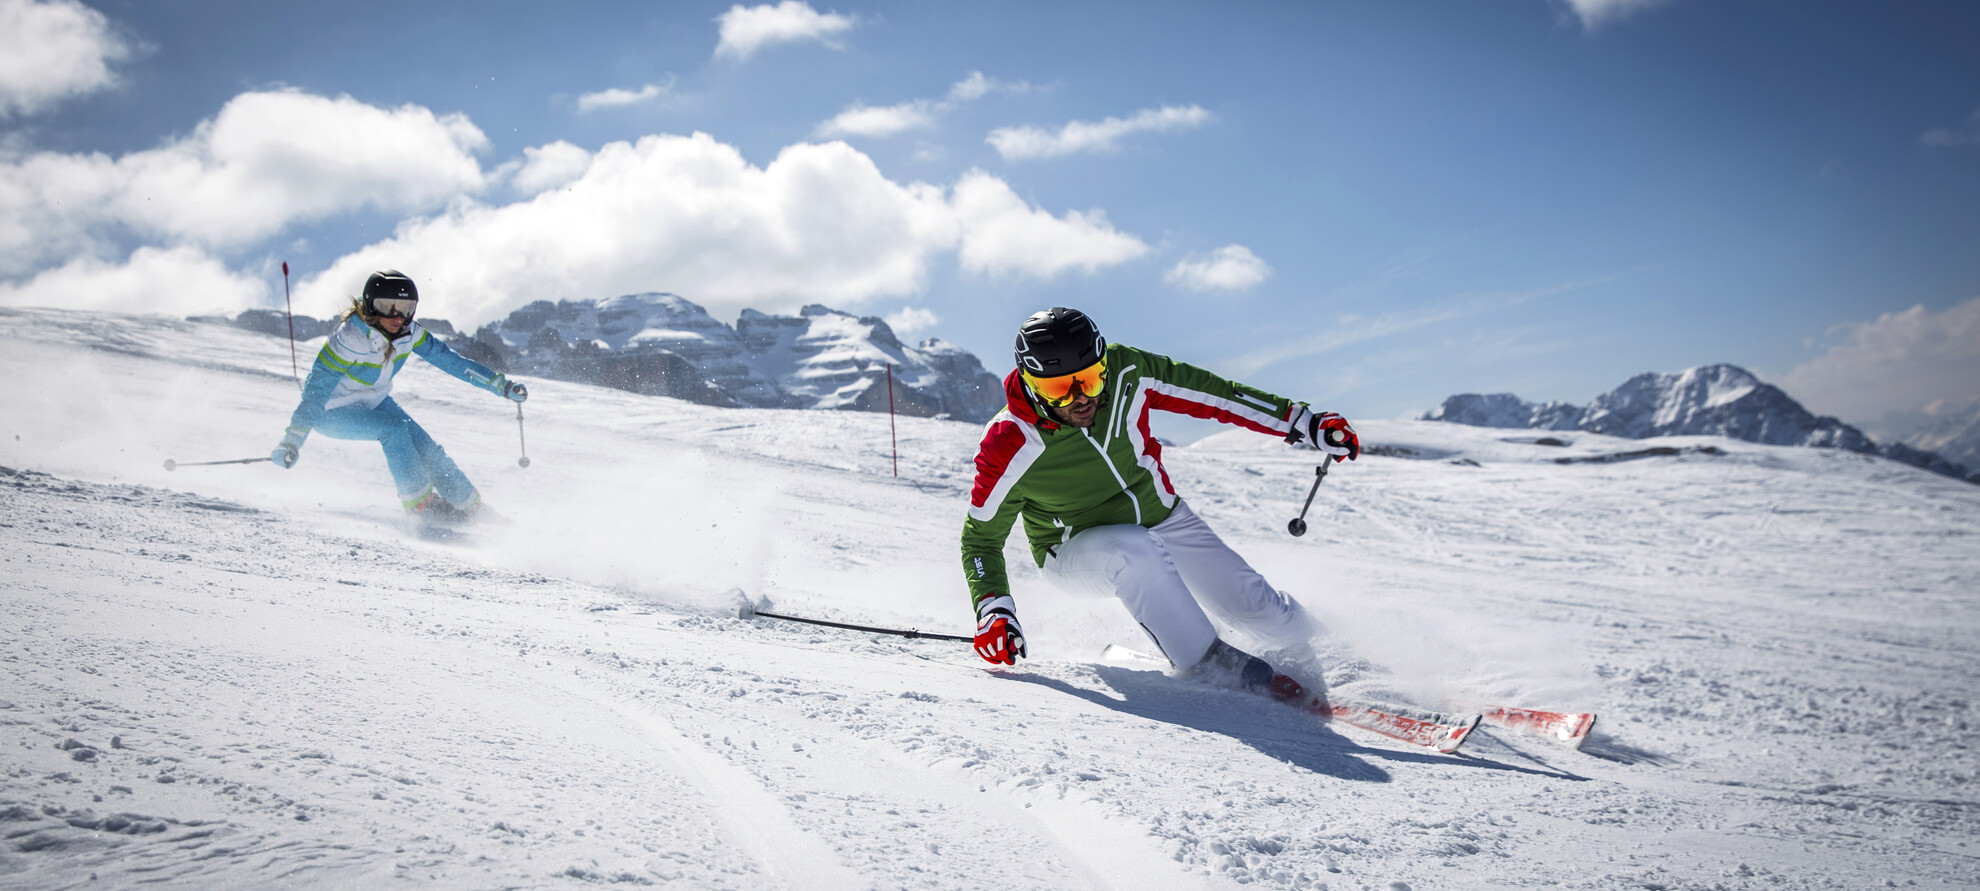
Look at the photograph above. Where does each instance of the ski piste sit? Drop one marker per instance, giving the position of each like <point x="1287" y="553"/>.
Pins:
<point x="1437" y="731"/>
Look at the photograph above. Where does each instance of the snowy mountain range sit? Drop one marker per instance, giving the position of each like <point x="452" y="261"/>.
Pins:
<point x="1951" y="432"/>
<point x="1719" y="400"/>
<point x="660" y="344"/>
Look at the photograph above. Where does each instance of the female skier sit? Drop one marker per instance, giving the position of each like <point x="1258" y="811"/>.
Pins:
<point x="348" y="396"/>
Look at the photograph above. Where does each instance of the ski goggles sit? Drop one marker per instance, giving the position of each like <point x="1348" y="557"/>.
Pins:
<point x="1059" y="391"/>
<point x="394" y="307"/>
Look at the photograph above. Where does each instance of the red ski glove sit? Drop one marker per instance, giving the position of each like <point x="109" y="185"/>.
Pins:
<point x="998" y="637"/>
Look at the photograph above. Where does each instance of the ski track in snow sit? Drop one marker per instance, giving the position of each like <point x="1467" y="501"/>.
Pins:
<point x="245" y="677"/>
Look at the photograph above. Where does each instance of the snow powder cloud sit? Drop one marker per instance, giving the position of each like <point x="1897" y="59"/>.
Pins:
<point x="266" y="160"/>
<point x="53" y="51"/>
<point x="1229" y="268"/>
<point x="1022" y="143"/>
<point x="1903" y="361"/>
<point x="744" y="30"/>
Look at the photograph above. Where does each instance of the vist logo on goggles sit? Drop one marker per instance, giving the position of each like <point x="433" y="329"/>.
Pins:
<point x="1058" y="391"/>
<point x="394" y="307"/>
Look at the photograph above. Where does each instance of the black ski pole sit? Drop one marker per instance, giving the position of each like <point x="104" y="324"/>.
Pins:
<point x="521" y="441"/>
<point x="174" y="465"/>
<point x="749" y="611"/>
<point x="1298" y="526"/>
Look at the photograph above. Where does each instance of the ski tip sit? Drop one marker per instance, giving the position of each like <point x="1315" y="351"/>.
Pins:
<point x="1579" y="736"/>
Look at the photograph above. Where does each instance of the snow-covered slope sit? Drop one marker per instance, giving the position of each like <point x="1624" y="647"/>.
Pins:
<point x="240" y="676"/>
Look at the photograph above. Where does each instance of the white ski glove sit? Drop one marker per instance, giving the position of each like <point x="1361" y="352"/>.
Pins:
<point x="288" y="449"/>
<point x="1326" y="431"/>
<point x="509" y="389"/>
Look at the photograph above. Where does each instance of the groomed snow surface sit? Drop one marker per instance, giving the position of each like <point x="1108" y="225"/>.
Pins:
<point x="244" y="677"/>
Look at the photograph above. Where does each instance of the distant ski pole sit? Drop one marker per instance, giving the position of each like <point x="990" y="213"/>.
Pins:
<point x="521" y="440"/>
<point x="295" y="367"/>
<point x="174" y="465"/>
<point x="1298" y="526"/>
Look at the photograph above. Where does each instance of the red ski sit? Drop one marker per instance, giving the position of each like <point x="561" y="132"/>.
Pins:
<point x="1437" y="731"/>
<point x="1442" y="732"/>
<point x="1433" y="730"/>
<point x="1568" y="728"/>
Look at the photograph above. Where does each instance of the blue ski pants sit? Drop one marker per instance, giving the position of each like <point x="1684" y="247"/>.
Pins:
<point x="419" y="465"/>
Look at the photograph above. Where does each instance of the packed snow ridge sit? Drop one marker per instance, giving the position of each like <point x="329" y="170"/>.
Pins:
<point x="1709" y="400"/>
<point x="659" y="344"/>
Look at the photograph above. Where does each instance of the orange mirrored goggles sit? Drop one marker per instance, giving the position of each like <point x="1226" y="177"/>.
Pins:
<point x="1058" y="391"/>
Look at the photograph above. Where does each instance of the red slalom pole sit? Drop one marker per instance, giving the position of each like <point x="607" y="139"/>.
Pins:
<point x="295" y="368"/>
<point x="892" y="433"/>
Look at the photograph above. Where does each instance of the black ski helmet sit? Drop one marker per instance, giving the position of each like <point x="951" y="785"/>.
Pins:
<point x="388" y="284"/>
<point x="1058" y="341"/>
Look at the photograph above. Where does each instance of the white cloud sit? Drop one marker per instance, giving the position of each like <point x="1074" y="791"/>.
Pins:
<point x="744" y="30"/>
<point x="1943" y="137"/>
<point x="1595" y="13"/>
<point x="1002" y="235"/>
<point x="971" y="88"/>
<point x="176" y="281"/>
<point x="688" y="214"/>
<point x="1229" y="268"/>
<point x="618" y="97"/>
<point x="1018" y="143"/>
<point x="977" y="86"/>
<point x="910" y="321"/>
<point x="266" y="160"/>
<point x="1903" y="361"/>
<point x="52" y="51"/>
<point x="547" y="167"/>
<point x="862" y="120"/>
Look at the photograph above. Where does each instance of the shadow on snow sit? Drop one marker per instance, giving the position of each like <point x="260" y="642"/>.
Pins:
<point x="1275" y="730"/>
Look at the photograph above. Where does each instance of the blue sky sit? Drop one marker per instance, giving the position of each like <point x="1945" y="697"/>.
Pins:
<point x="1367" y="206"/>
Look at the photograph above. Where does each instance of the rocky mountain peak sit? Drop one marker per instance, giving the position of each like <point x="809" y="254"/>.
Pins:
<point x="1721" y="400"/>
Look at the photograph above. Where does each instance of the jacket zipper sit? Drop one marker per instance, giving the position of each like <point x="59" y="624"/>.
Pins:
<point x="1084" y="431"/>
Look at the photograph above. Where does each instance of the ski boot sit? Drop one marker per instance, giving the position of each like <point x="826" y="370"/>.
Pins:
<point x="1225" y="663"/>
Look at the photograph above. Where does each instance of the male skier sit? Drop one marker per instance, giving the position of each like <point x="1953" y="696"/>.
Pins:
<point x="1072" y="454"/>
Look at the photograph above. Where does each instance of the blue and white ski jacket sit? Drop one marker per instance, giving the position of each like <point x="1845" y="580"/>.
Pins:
<point x="357" y="364"/>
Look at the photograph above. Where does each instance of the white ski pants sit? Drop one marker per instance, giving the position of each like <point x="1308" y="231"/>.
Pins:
<point x="1168" y="576"/>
